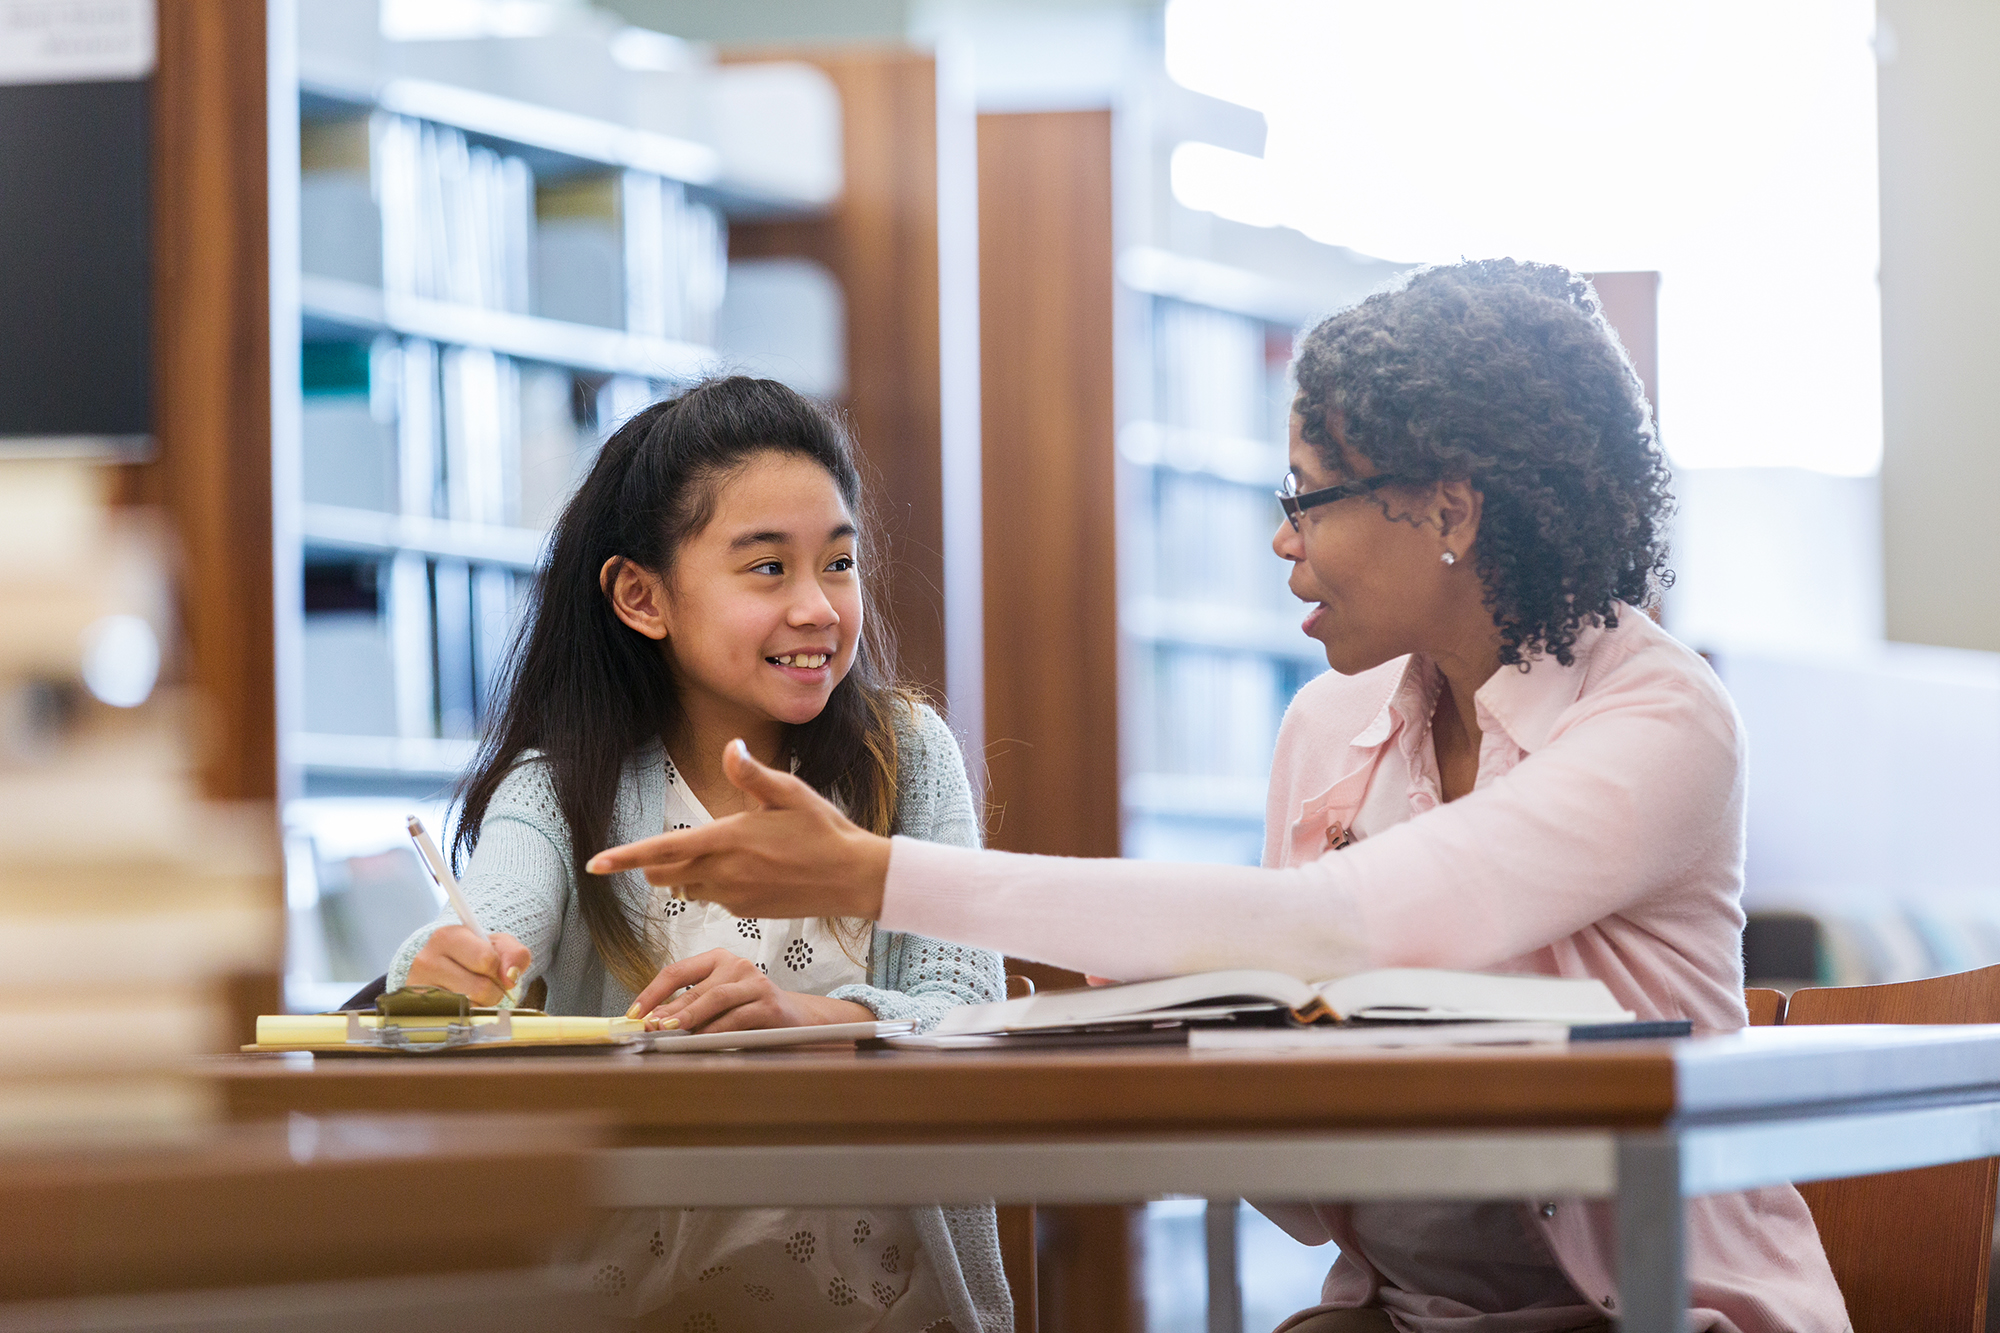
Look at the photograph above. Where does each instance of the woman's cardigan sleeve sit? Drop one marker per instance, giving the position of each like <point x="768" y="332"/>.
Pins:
<point x="1627" y="797"/>
<point x="912" y="977"/>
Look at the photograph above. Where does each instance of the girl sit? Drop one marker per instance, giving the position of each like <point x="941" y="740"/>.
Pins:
<point x="706" y="583"/>
<point x="1510" y="767"/>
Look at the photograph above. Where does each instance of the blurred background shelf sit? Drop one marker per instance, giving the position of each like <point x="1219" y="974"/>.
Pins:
<point x="332" y="309"/>
<point x="553" y="141"/>
<point x="336" y="528"/>
<point x="1260" y="464"/>
<point x="1195" y="796"/>
<point x="1189" y="624"/>
<point x="382" y="756"/>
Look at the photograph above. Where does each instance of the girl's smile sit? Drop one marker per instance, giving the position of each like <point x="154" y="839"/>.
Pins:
<point x="809" y="666"/>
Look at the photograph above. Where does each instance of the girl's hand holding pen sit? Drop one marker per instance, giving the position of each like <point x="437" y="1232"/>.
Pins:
<point x="792" y="854"/>
<point x="483" y="968"/>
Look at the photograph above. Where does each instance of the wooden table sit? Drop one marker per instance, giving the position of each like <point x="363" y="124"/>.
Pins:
<point x="308" y="1223"/>
<point x="1648" y="1124"/>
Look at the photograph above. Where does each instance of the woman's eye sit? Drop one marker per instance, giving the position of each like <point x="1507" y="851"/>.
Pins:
<point x="841" y="564"/>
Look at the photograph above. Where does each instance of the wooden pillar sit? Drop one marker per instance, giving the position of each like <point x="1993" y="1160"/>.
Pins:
<point x="211" y="471"/>
<point x="1087" y="1270"/>
<point x="881" y="242"/>
<point x="1051" y="594"/>
<point x="1047" y="428"/>
<point x="212" y="375"/>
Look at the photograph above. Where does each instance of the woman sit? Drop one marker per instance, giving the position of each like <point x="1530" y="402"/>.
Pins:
<point x="1510" y="768"/>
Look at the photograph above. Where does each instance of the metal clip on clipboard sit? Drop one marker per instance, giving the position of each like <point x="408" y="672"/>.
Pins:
<point x="430" y="1002"/>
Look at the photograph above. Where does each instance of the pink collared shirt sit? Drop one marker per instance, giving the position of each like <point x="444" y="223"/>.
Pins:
<point x="1604" y="837"/>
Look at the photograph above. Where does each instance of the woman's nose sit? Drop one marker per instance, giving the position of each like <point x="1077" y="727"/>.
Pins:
<point x="1286" y="542"/>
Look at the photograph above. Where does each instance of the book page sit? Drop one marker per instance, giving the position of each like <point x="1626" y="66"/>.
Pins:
<point x="1103" y="1004"/>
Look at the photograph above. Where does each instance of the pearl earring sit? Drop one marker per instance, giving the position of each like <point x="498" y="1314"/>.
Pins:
<point x="1448" y="559"/>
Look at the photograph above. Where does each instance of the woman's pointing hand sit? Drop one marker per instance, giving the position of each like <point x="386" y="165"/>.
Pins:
<point x="792" y="854"/>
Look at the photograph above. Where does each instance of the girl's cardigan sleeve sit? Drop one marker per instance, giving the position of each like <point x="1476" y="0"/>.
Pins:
<point x="912" y="977"/>
<point x="519" y="879"/>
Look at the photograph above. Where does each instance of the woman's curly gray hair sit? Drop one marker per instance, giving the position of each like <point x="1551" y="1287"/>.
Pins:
<point x="1505" y="374"/>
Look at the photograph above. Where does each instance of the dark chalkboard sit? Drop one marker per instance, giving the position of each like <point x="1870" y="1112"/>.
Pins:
<point x="75" y="260"/>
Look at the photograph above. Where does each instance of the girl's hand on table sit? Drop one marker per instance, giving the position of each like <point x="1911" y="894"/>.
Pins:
<point x="482" y="968"/>
<point x="791" y="854"/>
<point x="721" y="992"/>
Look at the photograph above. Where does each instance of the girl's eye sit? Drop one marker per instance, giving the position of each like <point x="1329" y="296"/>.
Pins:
<point x="768" y="567"/>
<point x="841" y="564"/>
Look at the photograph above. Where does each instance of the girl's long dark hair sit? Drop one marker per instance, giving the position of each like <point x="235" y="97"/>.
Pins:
<point x="586" y="690"/>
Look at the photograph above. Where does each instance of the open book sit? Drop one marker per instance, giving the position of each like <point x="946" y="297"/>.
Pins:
<point x="1396" y="994"/>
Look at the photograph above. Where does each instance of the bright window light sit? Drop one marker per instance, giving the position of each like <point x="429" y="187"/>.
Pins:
<point x="1232" y="185"/>
<point x="462" y="20"/>
<point x="1729" y="145"/>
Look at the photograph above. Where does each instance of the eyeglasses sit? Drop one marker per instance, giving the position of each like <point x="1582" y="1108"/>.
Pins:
<point x="1295" y="504"/>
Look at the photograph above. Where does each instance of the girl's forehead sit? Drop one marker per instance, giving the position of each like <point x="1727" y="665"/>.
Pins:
<point x="779" y="498"/>
<point x="787" y="480"/>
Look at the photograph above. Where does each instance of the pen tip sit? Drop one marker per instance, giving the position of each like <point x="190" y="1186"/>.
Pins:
<point x="414" y="824"/>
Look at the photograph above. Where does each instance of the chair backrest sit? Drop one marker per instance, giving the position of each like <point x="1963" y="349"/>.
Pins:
<point x="1911" y="1249"/>
<point x="1767" y="1007"/>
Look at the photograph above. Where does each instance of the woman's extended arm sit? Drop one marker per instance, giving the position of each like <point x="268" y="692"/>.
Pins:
<point x="1617" y="806"/>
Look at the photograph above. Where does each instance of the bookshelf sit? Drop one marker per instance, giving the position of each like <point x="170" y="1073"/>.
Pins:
<point x="475" y="290"/>
<point x="1213" y="652"/>
<point x="485" y="286"/>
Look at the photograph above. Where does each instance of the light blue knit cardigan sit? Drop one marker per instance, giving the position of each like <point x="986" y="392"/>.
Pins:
<point x="520" y="881"/>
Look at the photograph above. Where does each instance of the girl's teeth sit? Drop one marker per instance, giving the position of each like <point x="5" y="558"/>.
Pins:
<point x="810" y="661"/>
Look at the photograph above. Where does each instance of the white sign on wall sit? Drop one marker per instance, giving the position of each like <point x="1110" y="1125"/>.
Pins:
<point x="75" y="41"/>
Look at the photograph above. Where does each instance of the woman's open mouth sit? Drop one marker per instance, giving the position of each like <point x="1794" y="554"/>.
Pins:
<point x="1312" y="617"/>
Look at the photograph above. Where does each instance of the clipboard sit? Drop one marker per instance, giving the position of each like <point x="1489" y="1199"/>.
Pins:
<point x="430" y="1020"/>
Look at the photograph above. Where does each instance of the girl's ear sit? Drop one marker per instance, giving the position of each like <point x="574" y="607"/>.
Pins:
<point x="638" y="596"/>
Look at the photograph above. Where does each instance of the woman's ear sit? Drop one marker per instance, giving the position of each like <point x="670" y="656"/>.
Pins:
<point x="1458" y="507"/>
<point x="638" y="596"/>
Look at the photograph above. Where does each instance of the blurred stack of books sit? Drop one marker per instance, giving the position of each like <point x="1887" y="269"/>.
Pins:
<point x="128" y="903"/>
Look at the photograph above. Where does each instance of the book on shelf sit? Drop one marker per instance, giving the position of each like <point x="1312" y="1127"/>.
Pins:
<point x="419" y="210"/>
<point x="1211" y="370"/>
<point x="480" y="412"/>
<point x="1212" y="541"/>
<point x="631" y="251"/>
<point x="458" y="219"/>
<point x="348" y="438"/>
<point x="1402" y="995"/>
<point x="1215" y="714"/>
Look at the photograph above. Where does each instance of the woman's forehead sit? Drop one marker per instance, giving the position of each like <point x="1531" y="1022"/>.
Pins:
<point x="1309" y="458"/>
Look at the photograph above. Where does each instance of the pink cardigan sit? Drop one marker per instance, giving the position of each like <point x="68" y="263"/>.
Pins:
<point x="1604" y="838"/>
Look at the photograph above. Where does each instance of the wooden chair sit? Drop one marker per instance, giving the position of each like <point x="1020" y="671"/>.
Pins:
<point x="1767" y="1007"/>
<point x="1911" y="1249"/>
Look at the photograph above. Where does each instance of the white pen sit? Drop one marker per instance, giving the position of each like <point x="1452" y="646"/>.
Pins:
<point x="449" y="883"/>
